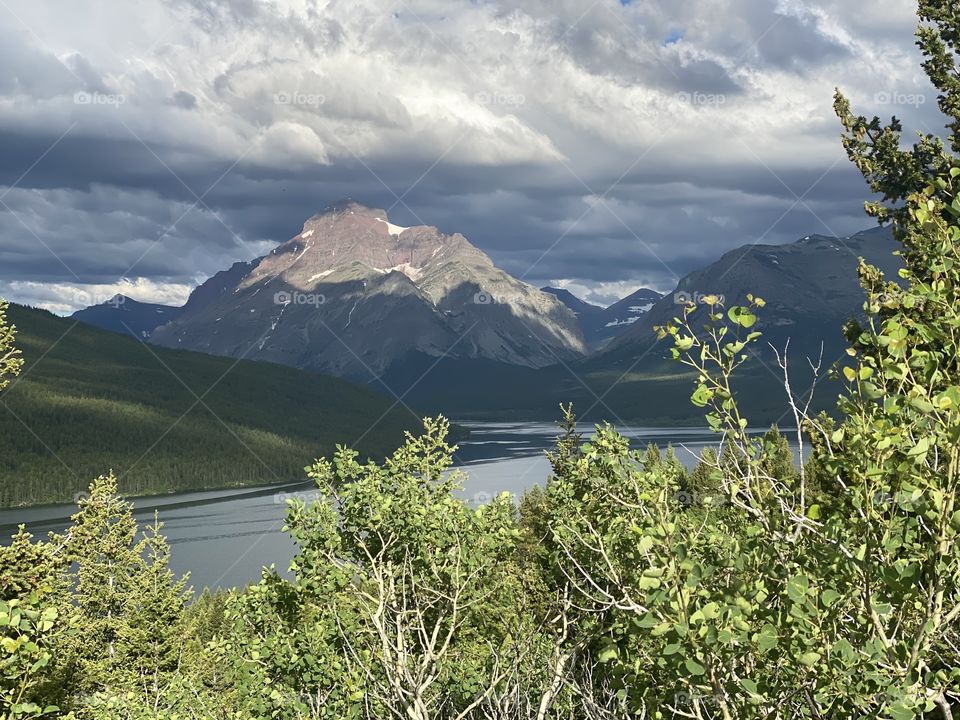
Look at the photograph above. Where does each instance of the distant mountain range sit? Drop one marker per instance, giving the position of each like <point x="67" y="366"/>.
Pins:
<point x="428" y="314"/>
<point x="353" y="295"/>
<point x="811" y="289"/>
<point x="601" y="324"/>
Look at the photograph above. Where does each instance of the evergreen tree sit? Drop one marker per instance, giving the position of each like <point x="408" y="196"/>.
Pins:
<point x="778" y="456"/>
<point x="706" y="480"/>
<point x="128" y="602"/>
<point x="102" y="544"/>
<point x="153" y="635"/>
<point x="33" y="623"/>
<point x="28" y="567"/>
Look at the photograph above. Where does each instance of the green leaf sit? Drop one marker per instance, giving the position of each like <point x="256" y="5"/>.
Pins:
<point x="767" y="638"/>
<point x="684" y="343"/>
<point x="742" y="316"/>
<point x="693" y="667"/>
<point x="920" y="449"/>
<point x="648" y="583"/>
<point x="608" y="652"/>
<point x="797" y="587"/>
<point x="829" y="596"/>
<point x="701" y="396"/>
<point x="900" y="711"/>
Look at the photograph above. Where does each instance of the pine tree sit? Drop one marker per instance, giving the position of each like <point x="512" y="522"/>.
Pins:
<point x="706" y="479"/>
<point x="153" y="635"/>
<point x="102" y="543"/>
<point x="778" y="456"/>
<point x="130" y="605"/>
<point x="34" y="619"/>
<point x="27" y="567"/>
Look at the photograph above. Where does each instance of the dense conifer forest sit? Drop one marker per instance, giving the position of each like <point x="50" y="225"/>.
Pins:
<point x="88" y="400"/>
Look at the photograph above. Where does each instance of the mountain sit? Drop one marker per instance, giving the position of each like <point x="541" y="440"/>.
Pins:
<point x="125" y="315"/>
<point x="600" y="324"/>
<point x="810" y="286"/>
<point x="89" y="401"/>
<point x="624" y="313"/>
<point x="352" y="294"/>
<point x="587" y="313"/>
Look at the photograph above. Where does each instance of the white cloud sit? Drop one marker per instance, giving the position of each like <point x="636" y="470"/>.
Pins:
<point x="603" y="294"/>
<point x="65" y="298"/>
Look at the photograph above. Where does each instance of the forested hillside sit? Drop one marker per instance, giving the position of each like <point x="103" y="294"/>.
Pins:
<point x="89" y="401"/>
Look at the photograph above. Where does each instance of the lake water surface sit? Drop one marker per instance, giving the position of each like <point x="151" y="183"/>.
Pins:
<point x="224" y="537"/>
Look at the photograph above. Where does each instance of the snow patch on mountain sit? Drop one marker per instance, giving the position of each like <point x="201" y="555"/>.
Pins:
<point x="414" y="273"/>
<point x="625" y="321"/>
<point x="394" y="230"/>
<point x="314" y="278"/>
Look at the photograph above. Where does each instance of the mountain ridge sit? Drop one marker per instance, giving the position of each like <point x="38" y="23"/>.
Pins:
<point x="602" y="324"/>
<point x="810" y="287"/>
<point x="352" y="293"/>
<point x="124" y="315"/>
<point x="633" y="379"/>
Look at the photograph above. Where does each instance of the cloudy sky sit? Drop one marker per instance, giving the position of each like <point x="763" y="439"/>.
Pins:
<point x="600" y="145"/>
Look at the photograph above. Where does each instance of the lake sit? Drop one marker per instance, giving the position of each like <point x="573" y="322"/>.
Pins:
<point x="224" y="537"/>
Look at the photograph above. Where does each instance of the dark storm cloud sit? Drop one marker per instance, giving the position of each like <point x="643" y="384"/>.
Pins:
<point x="185" y="100"/>
<point x="569" y="142"/>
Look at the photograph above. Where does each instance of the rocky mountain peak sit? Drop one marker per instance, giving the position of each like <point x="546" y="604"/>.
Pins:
<point x="349" y="206"/>
<point x="352" y="293"/>
<point x="347" y="234"/>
